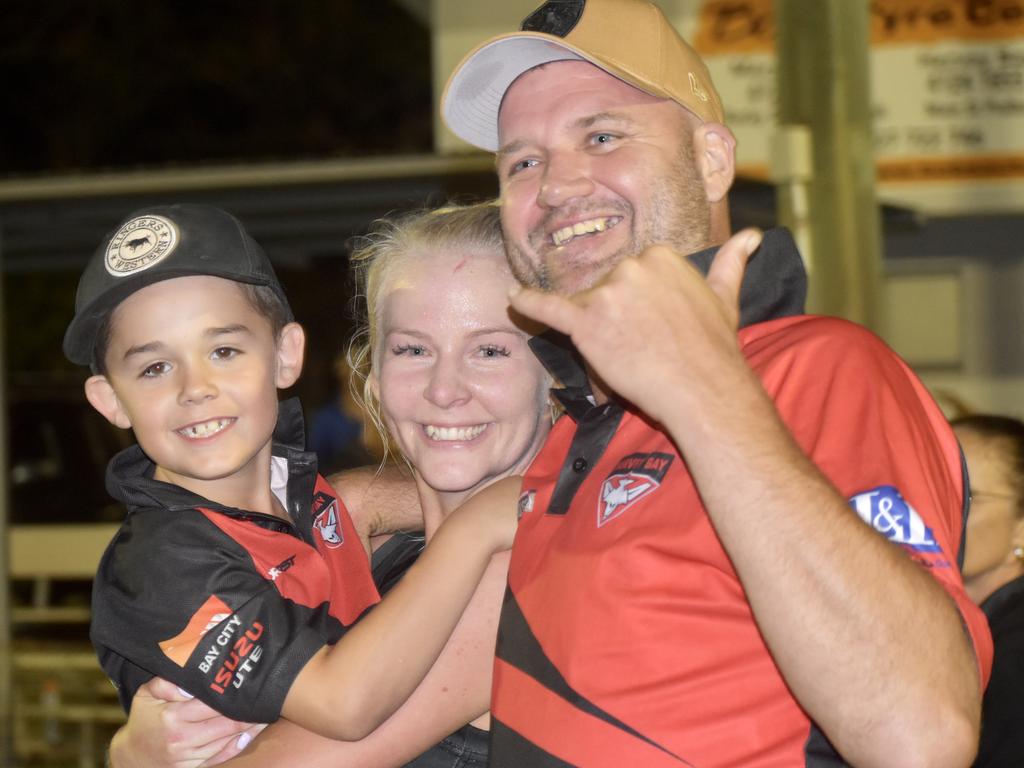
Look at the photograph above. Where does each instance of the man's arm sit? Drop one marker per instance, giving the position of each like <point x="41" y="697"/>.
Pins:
<point x="871" y="646"/>
<point x="380" y="499"/>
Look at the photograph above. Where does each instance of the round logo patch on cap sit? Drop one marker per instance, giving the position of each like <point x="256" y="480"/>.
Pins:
<point x="139" y="244"/>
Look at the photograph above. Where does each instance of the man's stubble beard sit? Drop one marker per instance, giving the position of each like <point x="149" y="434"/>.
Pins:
<point x="677" y="214"/>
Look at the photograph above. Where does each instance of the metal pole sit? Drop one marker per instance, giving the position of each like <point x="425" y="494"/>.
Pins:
<point x="6" y="665"/>
<point x="823" y="84"/>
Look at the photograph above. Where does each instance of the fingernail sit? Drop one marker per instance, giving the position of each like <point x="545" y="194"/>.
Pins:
<point x="754" y="239"/>
<point x="514" y="289"/>
<point x="243" y="740"/>
<point x="185" y="693"/>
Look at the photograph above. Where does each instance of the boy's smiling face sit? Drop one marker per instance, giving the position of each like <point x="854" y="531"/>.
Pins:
<point x="194" y="370"/>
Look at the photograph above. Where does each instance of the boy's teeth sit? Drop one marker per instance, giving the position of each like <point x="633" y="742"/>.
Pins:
<point x="565" y="234"/>
<point x="454" y="433"/>
<point x="205" y="429"/>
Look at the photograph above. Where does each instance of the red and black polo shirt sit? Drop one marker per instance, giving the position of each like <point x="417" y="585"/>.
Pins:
<point x="225" y="603"/>
<point x="626" y="637"/>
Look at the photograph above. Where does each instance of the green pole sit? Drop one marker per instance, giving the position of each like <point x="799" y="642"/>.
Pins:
<point x="823" y="91"/>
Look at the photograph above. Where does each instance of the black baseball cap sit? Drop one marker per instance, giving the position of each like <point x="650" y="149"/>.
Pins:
<point x="160" y="243"/>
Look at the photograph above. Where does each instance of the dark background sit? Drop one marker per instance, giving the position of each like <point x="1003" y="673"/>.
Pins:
<point x="100" y="84"/>
<point x="106" y="87"/>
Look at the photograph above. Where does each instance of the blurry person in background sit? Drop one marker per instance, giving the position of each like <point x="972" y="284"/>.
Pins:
<point x="336" y="432"/>
<point x="994" y="573"/>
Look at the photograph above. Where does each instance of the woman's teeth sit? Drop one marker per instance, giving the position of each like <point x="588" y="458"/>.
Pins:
<point x="205" y="429"/>
<point x="454" y="433"/>
<point x="565" y="234"/>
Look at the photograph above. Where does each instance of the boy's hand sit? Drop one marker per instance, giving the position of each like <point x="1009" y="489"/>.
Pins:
<point x="169" y="728"/>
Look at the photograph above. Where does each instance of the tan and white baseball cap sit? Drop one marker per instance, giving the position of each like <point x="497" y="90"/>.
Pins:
<point x="630" y="39"/>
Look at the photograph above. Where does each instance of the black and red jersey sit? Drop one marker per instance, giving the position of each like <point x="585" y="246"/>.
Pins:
<point x="626" y="637"/>
<point x="225" y="603"/>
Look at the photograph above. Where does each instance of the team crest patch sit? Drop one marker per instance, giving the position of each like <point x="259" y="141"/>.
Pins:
<point x="633" y="478"/>
<point x="325" y="510"/>
<point x="885" y="510"/>
<point x="139" y="244"/>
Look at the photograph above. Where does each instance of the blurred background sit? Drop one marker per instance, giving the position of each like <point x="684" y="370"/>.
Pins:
<point x="888" y="135"/>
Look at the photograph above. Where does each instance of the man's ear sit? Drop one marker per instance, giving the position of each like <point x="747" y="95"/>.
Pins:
<point x="714" y="150"/>
<point x="102" y="397"/>
<point x="291" y="351"/>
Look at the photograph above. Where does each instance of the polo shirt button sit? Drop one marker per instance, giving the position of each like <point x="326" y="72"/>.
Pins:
<point x="579" y="465"/>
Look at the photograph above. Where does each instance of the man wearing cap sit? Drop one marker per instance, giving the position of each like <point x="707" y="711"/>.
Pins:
<point x="738" y="549"/>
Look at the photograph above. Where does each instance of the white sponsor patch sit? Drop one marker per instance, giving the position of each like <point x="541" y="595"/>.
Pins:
<point x="885" y="510"/>
<point x="139" y="244"/>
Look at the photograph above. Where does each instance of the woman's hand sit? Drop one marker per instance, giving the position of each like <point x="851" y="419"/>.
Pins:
<point x="168" y="728"/>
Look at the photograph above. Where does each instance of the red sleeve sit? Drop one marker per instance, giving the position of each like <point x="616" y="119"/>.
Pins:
<point x="872" y="428"/>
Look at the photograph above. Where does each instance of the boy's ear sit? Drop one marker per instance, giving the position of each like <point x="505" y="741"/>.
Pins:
<point x="291" y="351"/>
<point x="102" y="397"/>
<point x="714" y="149"/>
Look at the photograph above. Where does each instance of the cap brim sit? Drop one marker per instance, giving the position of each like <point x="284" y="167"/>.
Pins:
<point x="80" y="337"/>
<point x="473" y="94"/>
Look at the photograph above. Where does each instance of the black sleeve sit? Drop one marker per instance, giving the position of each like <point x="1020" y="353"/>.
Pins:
<point x="1002" y="714"/>
<point x="176" y="597"/>
<point x="393" y="558"/>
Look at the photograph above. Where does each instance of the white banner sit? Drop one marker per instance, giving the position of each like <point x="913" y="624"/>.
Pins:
<point x="947" y="80"/>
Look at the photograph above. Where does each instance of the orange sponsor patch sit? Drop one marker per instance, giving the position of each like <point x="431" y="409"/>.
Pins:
<point x="210" y="614"/>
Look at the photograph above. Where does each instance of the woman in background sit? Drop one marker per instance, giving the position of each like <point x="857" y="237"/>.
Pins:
<point x="993" y="573"/>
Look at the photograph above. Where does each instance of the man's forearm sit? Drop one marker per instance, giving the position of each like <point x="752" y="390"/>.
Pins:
<point x="869" y="643"/>
<point x="380" y="499"/>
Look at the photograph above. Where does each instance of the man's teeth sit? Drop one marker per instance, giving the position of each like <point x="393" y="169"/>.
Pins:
<point x="205" y="429"/>
<point x="454" y="433"/>
<point x="565" y="234"/>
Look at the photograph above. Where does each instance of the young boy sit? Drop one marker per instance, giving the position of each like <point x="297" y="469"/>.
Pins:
<point x="237" y="574"/>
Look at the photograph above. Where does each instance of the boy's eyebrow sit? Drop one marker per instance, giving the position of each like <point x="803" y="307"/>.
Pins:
<point x="223" y="330"/>
<point x="143" y="349"/>
<point x="154" y="346"/>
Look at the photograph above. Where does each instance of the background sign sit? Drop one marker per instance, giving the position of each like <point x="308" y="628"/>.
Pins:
<point x="947" y="80"/>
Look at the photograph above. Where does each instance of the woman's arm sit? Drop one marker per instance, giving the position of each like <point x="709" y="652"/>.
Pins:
<point x="168" y="728"/>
